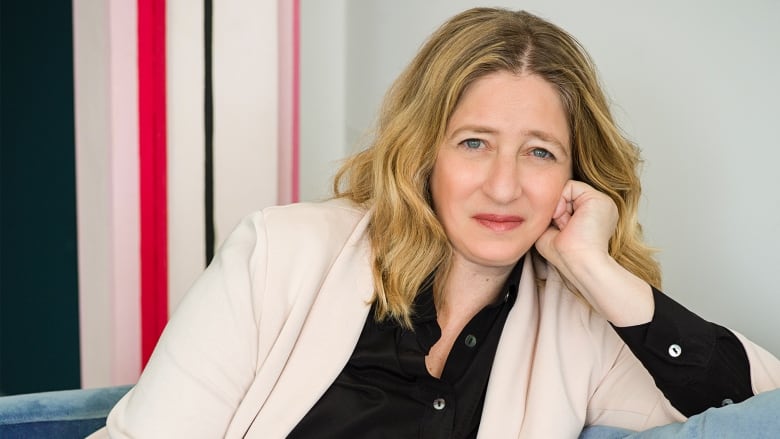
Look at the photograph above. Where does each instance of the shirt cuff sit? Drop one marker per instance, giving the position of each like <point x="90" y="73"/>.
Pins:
<point x="695" y="363"/>
<point x="675" y="335"/>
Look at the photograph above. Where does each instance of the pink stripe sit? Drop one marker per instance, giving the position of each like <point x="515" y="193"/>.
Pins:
<point x="152" y="146"/>
<point x="296" y="101"/>
<point x="288" y="105"/>
<point x="126" y="288"/>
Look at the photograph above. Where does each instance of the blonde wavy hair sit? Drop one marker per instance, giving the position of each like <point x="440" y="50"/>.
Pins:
<point x="391" y="176"/>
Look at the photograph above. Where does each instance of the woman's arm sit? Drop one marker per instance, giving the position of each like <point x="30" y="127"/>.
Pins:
<point x="578" y="246"/>
<point x="695" y="363"/>
<point x="206" y="358"/>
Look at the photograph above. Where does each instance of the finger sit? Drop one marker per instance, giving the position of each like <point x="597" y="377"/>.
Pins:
<point x="562" y="214"/>
<point x="562" y="220"/>
<point x="573" y="193"/>
<point x="560" y="208"/>
<point x="544" y="244"/>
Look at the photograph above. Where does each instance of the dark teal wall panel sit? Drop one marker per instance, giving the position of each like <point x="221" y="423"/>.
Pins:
<point x="39" y="339"/>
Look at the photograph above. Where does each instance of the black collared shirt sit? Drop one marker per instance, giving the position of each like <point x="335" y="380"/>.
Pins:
<point x="385" y="390"/>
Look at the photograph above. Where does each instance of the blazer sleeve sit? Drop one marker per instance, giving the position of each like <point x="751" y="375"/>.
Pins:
<point x="206" y="357"/>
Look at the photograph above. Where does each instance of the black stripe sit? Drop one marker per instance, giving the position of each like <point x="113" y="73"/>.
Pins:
<point x="208" y="106"/>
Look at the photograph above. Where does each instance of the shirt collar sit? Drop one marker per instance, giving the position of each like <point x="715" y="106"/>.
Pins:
<point x="425" y="310"/>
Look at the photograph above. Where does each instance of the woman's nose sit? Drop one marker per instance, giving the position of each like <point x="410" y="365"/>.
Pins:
<point x="502" y="183"/>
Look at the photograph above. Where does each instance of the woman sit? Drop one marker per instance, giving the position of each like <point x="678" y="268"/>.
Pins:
<point x="480" y="272"/>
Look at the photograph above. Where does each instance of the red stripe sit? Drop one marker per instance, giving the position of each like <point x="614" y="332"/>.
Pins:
<point x="152" y="150"/>
<point x="296" y="101"/>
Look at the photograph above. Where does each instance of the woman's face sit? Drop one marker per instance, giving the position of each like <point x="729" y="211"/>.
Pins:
<point x="501" y="168"/>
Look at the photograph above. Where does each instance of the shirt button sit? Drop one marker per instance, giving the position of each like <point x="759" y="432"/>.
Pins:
<point x="439" y="403"/>
<point x="726" y="402"/>
<point x="675" y="350"/>
<point x="471" y="341"/>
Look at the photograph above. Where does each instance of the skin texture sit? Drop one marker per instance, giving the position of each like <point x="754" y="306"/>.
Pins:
<point x="500" y="172"/>
<point x="502" y="184"/>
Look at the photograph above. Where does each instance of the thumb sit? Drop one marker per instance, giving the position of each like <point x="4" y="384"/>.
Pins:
<point x="544" y="245"/>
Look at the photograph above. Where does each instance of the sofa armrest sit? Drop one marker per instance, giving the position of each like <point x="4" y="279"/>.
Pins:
<point x="60" y="414"/>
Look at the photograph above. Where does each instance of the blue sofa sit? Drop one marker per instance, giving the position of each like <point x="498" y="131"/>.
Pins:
<point x="77" y="413"/>
<point x="74" y="414"/>
<point x="61" y="414"/>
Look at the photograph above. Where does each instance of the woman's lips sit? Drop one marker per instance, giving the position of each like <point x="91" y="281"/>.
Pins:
<point x="498" y="223"/>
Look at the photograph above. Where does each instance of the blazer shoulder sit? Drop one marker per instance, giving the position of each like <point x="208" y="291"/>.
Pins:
<point x="296" y="233"/>
<point x="322" y="221"/>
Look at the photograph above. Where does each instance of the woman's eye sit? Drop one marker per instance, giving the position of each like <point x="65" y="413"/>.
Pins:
<point x="542" y="153"/>
<point x="472" y="143"/>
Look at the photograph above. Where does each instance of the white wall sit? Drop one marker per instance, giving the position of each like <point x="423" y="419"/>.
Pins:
<point x="323" y="91"/>
<point x="693" y="84"/>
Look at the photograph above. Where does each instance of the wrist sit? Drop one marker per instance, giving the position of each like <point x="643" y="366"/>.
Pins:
<point x="617" y="294"/>
<point x="580" y="266"/>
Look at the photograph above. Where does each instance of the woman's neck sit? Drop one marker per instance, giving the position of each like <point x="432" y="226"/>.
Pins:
<point x="468" y="288"/>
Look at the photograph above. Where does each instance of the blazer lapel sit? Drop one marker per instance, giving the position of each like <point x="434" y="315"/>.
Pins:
<point x="327" y="338"/>
<point x="504" y="409"/>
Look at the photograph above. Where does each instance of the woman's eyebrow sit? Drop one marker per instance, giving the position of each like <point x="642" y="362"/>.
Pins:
<point x="479" y="129"/>
<point x="546" y="137"/>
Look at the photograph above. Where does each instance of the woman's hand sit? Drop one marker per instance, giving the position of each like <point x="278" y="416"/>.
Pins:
<point x="577" y="244"/>
<point x="582" y="225"/>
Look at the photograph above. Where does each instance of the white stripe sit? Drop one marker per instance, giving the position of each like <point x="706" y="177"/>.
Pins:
<point x="245" y="109"/>
<point x="185" y="114"/>
<point x="107" y="190"/>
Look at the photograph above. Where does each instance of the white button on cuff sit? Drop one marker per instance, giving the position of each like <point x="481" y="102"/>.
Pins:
<point x="675" y="350"/>
<point x="439" y="403"/>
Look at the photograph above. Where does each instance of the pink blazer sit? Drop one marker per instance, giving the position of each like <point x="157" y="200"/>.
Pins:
<point x="273" y="320"/>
